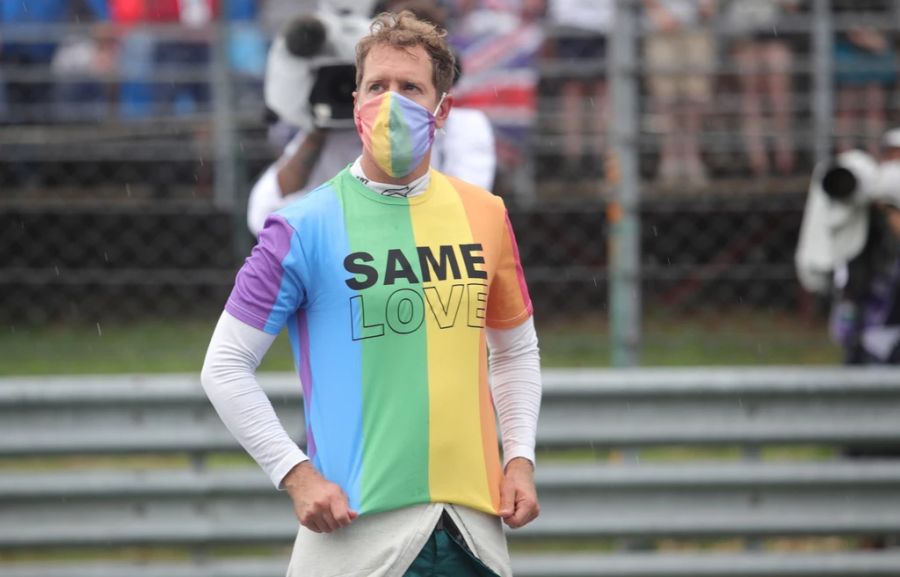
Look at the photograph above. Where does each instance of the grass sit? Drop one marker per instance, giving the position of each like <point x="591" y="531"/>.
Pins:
<point x="738" y="338"/>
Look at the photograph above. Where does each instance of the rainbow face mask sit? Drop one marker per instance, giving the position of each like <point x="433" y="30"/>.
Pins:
<point x="396" y="131"/>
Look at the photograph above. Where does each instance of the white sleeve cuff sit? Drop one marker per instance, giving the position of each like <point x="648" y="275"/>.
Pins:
<point x="291" y="460"/>
<point x="516" y="451"/>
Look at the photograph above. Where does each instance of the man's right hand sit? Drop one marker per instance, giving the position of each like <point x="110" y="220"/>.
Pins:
<point x="319" y="504"/>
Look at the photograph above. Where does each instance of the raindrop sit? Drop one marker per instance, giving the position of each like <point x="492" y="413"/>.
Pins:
<point x="56" y="268"/>
<point x="128" y="189"/>
<point x="591" y="100"/>
<point x="105" y="256"/>
<point x="201" y="163"/>
<point x="594" y="278"/>
<point x="241" y="145"/>
<point x="99" y="330"/>
<point x="655" y="231"/>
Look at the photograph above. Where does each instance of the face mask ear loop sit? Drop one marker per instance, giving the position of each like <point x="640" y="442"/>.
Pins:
<point x="441" y="101"/>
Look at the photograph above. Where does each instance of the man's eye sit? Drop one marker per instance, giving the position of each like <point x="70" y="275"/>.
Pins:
<point x="412" y="87"/>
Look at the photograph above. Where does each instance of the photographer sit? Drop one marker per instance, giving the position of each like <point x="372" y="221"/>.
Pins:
<point x="310" y="77"/>
<point x="851" y="227"/>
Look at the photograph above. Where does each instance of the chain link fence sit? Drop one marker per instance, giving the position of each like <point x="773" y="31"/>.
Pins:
<point x="125" y="168"/>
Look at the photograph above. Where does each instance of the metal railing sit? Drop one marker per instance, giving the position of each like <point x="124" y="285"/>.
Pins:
<point x="107" y="464"/>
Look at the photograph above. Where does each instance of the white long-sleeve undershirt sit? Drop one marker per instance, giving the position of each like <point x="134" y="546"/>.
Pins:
<point x="236" y="349"/>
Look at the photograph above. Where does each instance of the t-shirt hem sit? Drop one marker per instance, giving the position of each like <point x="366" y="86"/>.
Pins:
<point x="249" y="317"/>
<point x="510" y="322"/>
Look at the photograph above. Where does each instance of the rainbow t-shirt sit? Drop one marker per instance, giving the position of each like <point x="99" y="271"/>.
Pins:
<point x="386" y="300"/>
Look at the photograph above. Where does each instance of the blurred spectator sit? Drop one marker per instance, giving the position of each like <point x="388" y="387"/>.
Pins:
<point x="182" y="56"/>
<point x="135" y="59"/>
<point x="679" y="54"/>
<point x="167" y="71"/>
<point x="582" y="28"/>
<point x="497" y="42"/>
<point x="81" y="67"/>
<point x="26" y="53"/>
<point x="865" y="66"/>
<point x="764" y="64"/>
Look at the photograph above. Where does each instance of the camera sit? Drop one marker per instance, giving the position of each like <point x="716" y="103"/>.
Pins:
<point x="857" y="178"/>
<point x="311" y="69"/>
<point x="835" y="223"/>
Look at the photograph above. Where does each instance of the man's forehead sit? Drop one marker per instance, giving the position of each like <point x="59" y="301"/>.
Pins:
<point x="383" y="59"/>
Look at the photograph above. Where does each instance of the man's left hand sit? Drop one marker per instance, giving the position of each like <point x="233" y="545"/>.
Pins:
<point x="518" y="496"/>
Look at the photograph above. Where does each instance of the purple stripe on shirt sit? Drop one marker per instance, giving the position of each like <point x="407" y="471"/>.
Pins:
<point x="259" y="281"/>
<point x="306" y="379"/>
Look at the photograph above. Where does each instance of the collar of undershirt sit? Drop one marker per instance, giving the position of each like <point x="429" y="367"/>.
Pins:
<point x="414" y="188"/>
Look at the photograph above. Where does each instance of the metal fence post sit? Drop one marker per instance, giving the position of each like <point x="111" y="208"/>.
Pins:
<point x="224" y="132"/>
<point x="622" y="211"/>
<point x="823" y="95"/>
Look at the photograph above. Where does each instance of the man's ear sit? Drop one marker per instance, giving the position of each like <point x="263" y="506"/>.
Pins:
<point x="443" y="111"/>
<point x="355" y="94"/>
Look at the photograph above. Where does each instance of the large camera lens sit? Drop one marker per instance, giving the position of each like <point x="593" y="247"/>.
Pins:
<point x="331" y="97"/>
<point x="839" y="183"/>
<point x="305" y="36"/>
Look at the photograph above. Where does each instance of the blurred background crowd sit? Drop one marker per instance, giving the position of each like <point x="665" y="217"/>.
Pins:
<point x="131" y="132"/>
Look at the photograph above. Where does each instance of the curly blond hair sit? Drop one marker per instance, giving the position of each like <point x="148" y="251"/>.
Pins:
<point x="404" y="31"/>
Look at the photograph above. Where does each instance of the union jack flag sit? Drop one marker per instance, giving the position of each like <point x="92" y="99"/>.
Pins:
<point x="500" y="77"/>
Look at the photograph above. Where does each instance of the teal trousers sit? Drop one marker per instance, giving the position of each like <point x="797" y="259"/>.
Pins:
<point x="443" y="557"/>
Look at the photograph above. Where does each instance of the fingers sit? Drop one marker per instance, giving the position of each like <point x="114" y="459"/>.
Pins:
<point x="328" y="511"/>
<point x="507" y="498"/>
<point x="526" y="511"/>
<point x="314" y="525"/>
<point x="518" y="506"/>
<point x="340" y="514"/>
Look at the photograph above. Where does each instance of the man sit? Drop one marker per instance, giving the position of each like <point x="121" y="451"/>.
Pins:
<point x="680" y="40"/>
<point x="403" y="475"/>
<point x="464" y="148"/>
